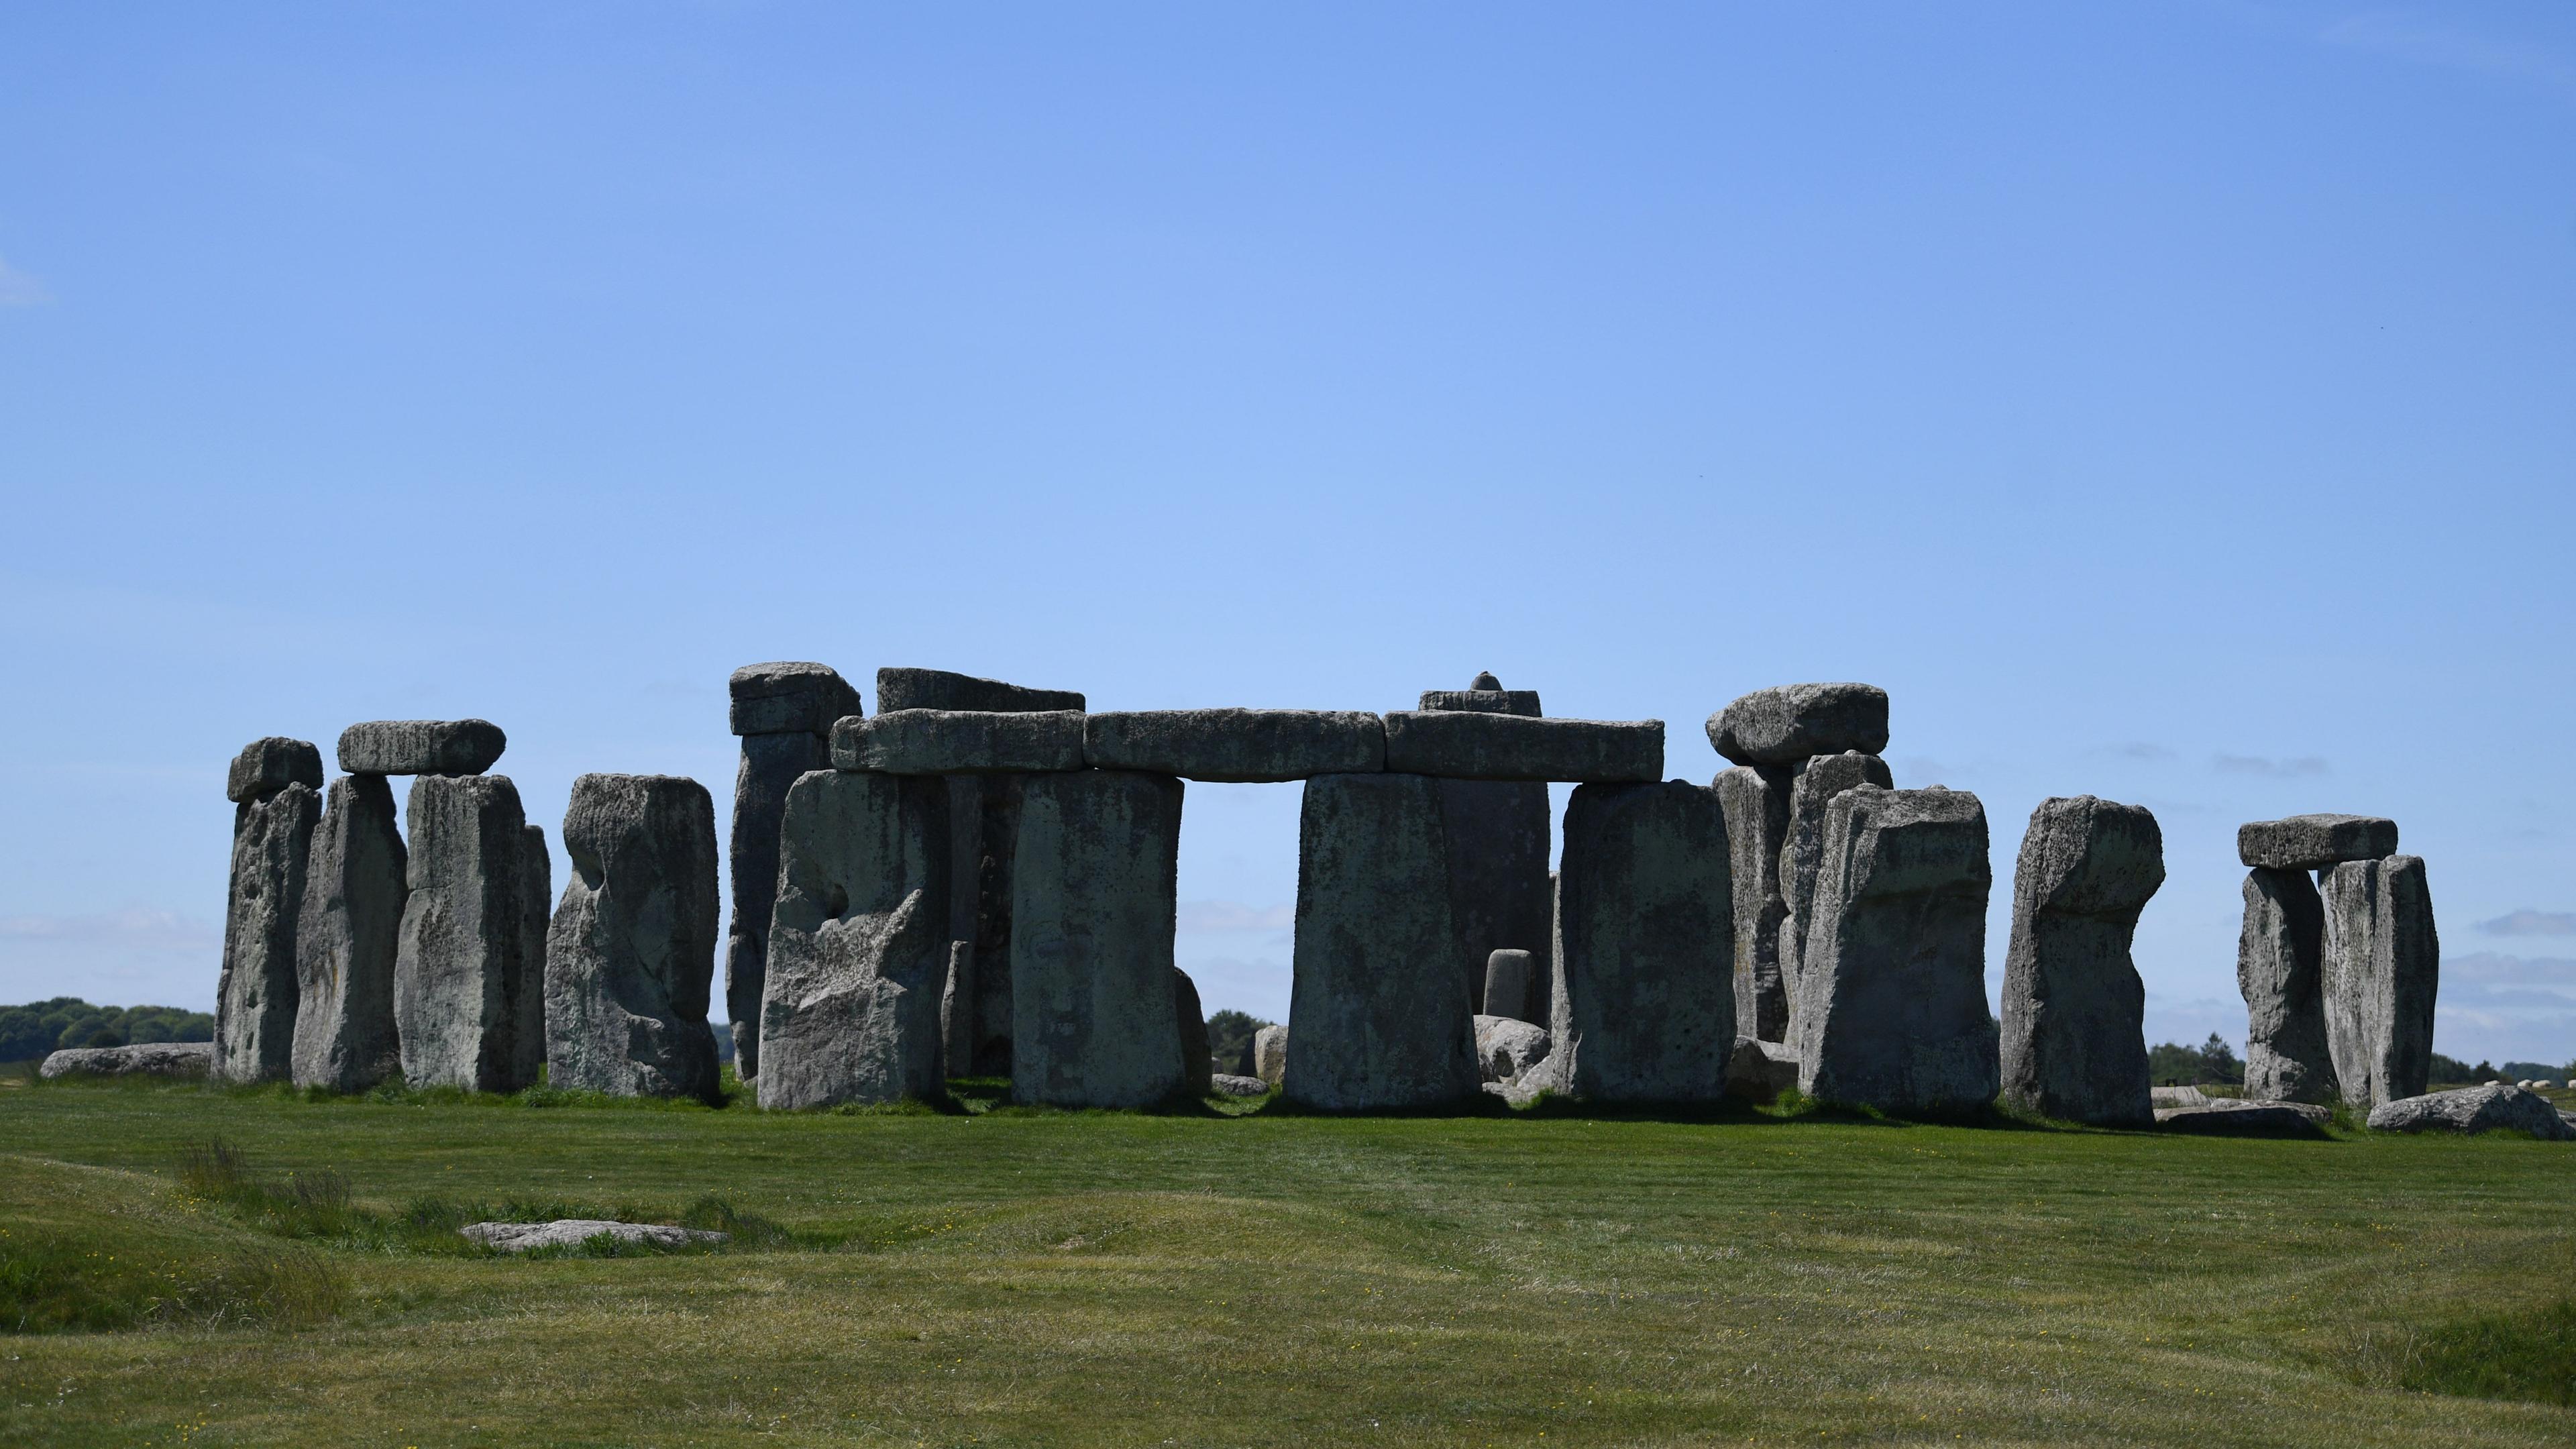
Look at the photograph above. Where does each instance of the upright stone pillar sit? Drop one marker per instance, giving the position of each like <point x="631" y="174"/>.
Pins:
<point x="275" y="785"/>
<point x="1891" y="1007"/>
<point x="858" y="944"/>
<point x="631" y="954"/>
<point x="1647" y="1013"/>
<point x="1380" y="1020"/>
<point x="347" y="940"/>
<point x="1498" y="846"/>
<point x="1198" y="1058"/>
<point x="2280" y="964"/>
<point x="461" y="983"/>
<point x="784" y="714"/>
<point x="2074" y="1009"/>
<point x="1812" y="789"/>
<point x="2383" y="965"/>
<point x="957" y="1006"/>
<point x="1094" y="1020"/>
<point x="1755" y="799"/>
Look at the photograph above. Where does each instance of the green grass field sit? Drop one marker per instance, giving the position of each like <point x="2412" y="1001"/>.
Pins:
<point x="1001" y="1277"/>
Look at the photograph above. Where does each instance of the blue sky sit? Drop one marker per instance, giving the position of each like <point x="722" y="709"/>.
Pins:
<point x="2170" y="403"/>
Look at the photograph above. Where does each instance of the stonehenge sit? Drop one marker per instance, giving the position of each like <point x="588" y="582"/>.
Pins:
<point x="2074" y="1009"/>
<point x="1509" y="979"/>
<point x="461" y="978"/>
<point x="1235" y="746"/>
<point x="275" y="785"/>
<point x="421" y="747"/>
<point x="784" y="713"/>
<point x="1092" y="907"/>
<point x="1498" y="834"/>
<point x="1793" y="723"/>
<point x="1755" y="801"/>
<point x="2280" y="970"/>
<point x="631" y="949"/>
<point x="1644" y="1009"/>
<point x="347" y="939"/>
<point x="2382" y="964"/>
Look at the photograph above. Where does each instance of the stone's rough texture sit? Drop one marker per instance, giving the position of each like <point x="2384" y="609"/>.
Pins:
<point x="1484" y="701"/>
<point x="631" y="953"/>
<point x="2280" y="971"/>
<point x="1092" y="909"/>
<point x="2474" y="1109"/>
<point x="1891" y="1009"/>
<point x="1755" y="799"/>
<point x="1507" y="1046"/>
<point x="1791" y="722"/>
<point x="1270" y="1054"/>
<point x="858" y="945"/>
<point x="144" y="1059"/>
<point x="1498" y="836"/>
<point x="256" y="997"/>
<point x="1812" y="787"/>
<point x="1236" y="745"/>
<point x="957" y="1012"/>
<point x="2312" y="842"/>
<point x="2074" y="1008"/>
<point x="789" y="698"/>
<point x="1465" y="745"/>
<point x="2220" y="1117"/>
<point x="2382" y="966"/>
<point x="770" y="764"/>
<point x="421" y="747"/>
<point x="460" y="970"/>
<point x="1759" y="1071"/>
<point x="958" y="742"/>
<point x="2164" y="1097"/>
<point x="1645" y="1010"/>
<point x="528" y="989"/>
<point x="939" y="689"/>
<point x="1484" y="683"/>
<point x="1509" y="977"/>
<point x="573" y="1232"/>
<point x="1198" y="1059"/>
<point x="989" y="855"/>
<point x="1380" y="1019"/>
<point x="267" y="766"/>
<point x="346" y="941"/>
<point x="1227" y="1084"/>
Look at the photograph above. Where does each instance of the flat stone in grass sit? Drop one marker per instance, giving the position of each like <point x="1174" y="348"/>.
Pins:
<point x="1792" y="722"/>
<point x="421" y="747"/>
<point x="346" y="943"/>
<point x="2229" y="1117"/>
<point x="2489" y="1108"/>
<point x="631" y="951"/>
<point x="1755" y="799"/>
<point x="2074" y="1008"/>
<point x="2280" y="971"/>
<point x="573" y="1232"/>
<point x="2382" y="968"/>
<point x="1244" y="746"/>
<point x="788" y="697"/>
<point x="2315" y="842"/>
<point x="257" y="994"/>
<point x="958" y="742"/>
<point x="184" y="1059"/>
<point x="1464" y="745"/>
<point x="461" y="980"/>
<point x="1645" y="1010"/>
<point x="1227" y="1084"/>
<point x="266" y="766"/>
<point x="1093" y="901"/>
<point x="901" y="688"/>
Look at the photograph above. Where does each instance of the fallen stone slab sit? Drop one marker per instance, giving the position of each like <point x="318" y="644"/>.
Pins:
<point x="1462" y="745"/>
<point x="2280" y="971"/>
<point x="1238" y="746"/>
<point x="257" y="994"/>
<point x="1227" y="1084"/>
<point x="2474" y="1109"/>
<point x="1756" y="801"/>
<point x="1094" y="899"/>
<point x="2164" y="1097"/>
<point x="1644" y="1010"/>
<point x="573" y="1232"/>
<point x="631" y="949"/>
<point x="770" y="764"/>
<point x="788" y="697"/>
<point x="347" y="941"/>
<point x="1759" y="1071"/>
<point x="2313" y="842"/>
<point x="185" y="1059"/>
<point x="461" y="979"/>
<point x="266" y="766"/>
<point x="1270" y="1054"/>
<point x="958" y="742"/>
<point x="2382" y="969"/>
<point x="2226" y="1117"/>
<point x="899" y="689"/>
<point x="1509" y="978"/>
<point x="1507" y="1047"/>
<point x="421" y="747"/>
<point x="2074" y="1007"/>
<point x="1789" y="723"/>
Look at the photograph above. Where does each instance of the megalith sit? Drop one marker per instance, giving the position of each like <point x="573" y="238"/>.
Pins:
<point x="1380" y="1020"/>
<point x="2280" y="965"/>
<point x="2315" y="842"/>
<point x="1499" y="837"/>
<point x="1270" y="1054"/>
<point x="1755" y="801"/>
<point x="2382" y="968"/>
<point x="1790" y="723"/>
<point x="528" y="988"/>
<point x="1511" y="978"/>
<point x="347" y="940"/>
<point x="858" y="943"/>
<point x="461" y="984"/>
<point x="421" y="747"/>
<point x="1813" y="784"/>
<point x="2074" y="1009"/>
<point x="1646" y="1012"/>
<point x="957" y="1011"/>
<point x="1198" y="1058"/>
<point x="1093" y="902"/>
<point x="1891" y="1007"/>
<point x="784" y="713"/>
<point x="275" y="785"/>
<point x="631" y="951"/>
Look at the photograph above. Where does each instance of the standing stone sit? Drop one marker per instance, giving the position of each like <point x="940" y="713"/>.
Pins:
<point x="347" y="939"/>
<point x="1198" y="1058"/>
<point x="256" y="996"/>
<point x="957" y="1011"/>
<point x="858" y="945"/>
<point x="1891" y="1009"/>
<point x="1093" y="904"/>
<point x="1380" y="1020"/>
<point x="1509" y="975"/>
<point x="2280" y="965"/>
<point x="1647" y="1013"/>
<point x="2383" y="966"/>
<point x="460" y="970"/>
<point x="1802" y="851"/>
<point x="2074" y="1008"/>
<point x="989" y="853"/>
<point x="1498" y="833"/>
<point x="631" y="953"/>
<point x="1270" y="1054"/>
<point x="784" y="713"/>
<point x="1755" y="799"/>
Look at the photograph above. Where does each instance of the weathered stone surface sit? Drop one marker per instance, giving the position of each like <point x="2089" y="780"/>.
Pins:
<point x="573" y="1232"/>
<point x="958" y="742"/>
<point x="2474" y="1109"/>
<point x="2223" y="1117"/>
<point x="2280" y="964"/>
<point x="1645" y="1010"/>
<point x="2164" y="1097"/>
<point x="1499" y="838"/>
<point x="858" y="944"/>
<point x="1093" y="900"/>
<point x="266" y="766"/>
<point x="2313" y="842"/>
<point x="421" y="747"/>
<point x="770" y="764"/>
<point x="346" y="942"/>
<point x="1812" y="787"/>
<point x="1506" y="1046"/>
<point x="1198" y="1060"/>
<point x="939" y="689"/>
<point x="957" y="1012"/>
<point x="2074" y="1009"/>
<point x="631" y="951"/>
<point x="184" y="1059"/>
<point x="1509" y="975"/>
<point x="1793" y="722"/>
<point x="1227" y="1084"/>
<point x="528" y="988"/>
<point x="788" y="697"/>
<point x="1759" y="1071"/>
<point x="1755" y="799"/>
<point x="1891" y="1007"/>
<point x="1465" y="745"/>
<point x="460" y="969"/>
<point x="1381" y="1022"/>
<point x="1484" y="701"/>
<point x="989" y="857"/>
<point x="256" y="997"/>
<point x="1236" y="745"/>
<point x="1270" y="1054"/>
<point x="2382" y="968"/>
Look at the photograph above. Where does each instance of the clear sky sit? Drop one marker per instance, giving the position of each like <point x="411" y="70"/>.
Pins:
<point x="2174" y="403"/>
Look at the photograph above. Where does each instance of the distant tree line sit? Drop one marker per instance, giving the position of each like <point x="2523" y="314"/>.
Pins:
<point x="1230" y="1039"/>
<point x="2213" y="1063"/>
<point x="40" y="1027"/>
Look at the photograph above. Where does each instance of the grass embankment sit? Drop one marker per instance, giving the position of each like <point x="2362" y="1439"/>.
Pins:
<point x="1086" y="1278"/>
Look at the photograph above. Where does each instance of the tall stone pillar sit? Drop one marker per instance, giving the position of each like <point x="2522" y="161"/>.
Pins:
<point x="1092" y="910"/>
<point x="1755" y="799"/>
<point x="2074" y="1009"/>
<point x="347" y="941"/>
<point x="1813" y="787"/>
<point x="275" y="785"/>
<point x="2295" y="1050"/>
<point x="2280" y="964"/>
<point x="2383" y="963"/>
<point x="784" y="713"/>
<point x="631" y="953"/>
<point x="461" y="981"/>
<point x="1498" y="846"/>
<point x="1647" y="902"/>
<point x="528" y="987"/>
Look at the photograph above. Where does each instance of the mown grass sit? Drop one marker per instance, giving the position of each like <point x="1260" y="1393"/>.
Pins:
<point x="992" y="1275"/>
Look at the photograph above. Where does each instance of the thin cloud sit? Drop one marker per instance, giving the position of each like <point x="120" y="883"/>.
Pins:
<point x="2532" y="923"/>
<point x="2270" y="768"/>
<point x="145" y="928"/>
<point x="17" y="289"/>
<point x="2449" y="48"/>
